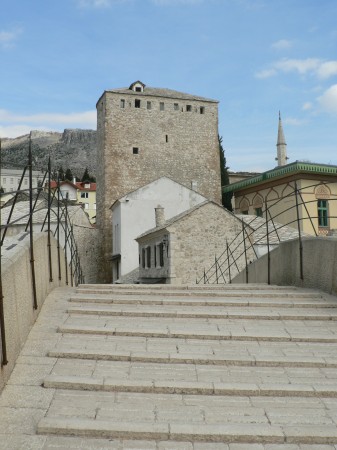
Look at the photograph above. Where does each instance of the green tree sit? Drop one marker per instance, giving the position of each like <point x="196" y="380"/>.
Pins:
<point x="68" y="175"/>
<point x="61" y="173"/>
<point x="226" y="197"/>
<point x="87" y="177"/>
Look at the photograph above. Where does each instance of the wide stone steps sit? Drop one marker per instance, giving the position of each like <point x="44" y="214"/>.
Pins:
<point x="185" y="368"/>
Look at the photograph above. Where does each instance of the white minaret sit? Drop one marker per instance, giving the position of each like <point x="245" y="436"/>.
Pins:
<point x="281" y="145"/>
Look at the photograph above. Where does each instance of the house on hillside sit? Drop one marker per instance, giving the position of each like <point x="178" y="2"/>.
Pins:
<point x="133" y="214"/>
<point x="192" y="245"/>
<point x="81" y="192"/>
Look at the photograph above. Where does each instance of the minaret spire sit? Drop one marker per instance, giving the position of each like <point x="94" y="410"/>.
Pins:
<point x="281" y="144"/>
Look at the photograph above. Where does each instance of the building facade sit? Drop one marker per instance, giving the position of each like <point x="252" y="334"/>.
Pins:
<point x="145" y="133"/>
<point x="10" y="179"/>
<point x="310" y="189"/>
<point x="133" y="214"/>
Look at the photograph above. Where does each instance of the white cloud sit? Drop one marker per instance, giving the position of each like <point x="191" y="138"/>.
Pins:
<point x="94" y="3"/>
<point x="312" y="66"/>
<point x="328" y="101"/>
<point x="8" y="38"/>
<point x="266" y="73"/>
<point x="282" y="44"/>
<point x="17" y="125"/>
<point x="307" y="106"/>
<point x="327" y="69"/>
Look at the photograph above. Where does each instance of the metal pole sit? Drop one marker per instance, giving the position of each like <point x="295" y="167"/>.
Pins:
<point x="299" y="234"/>
<point x="31" y="245"/>
<point x="58" y="226"/>
<point x="245" y="250"/>
<point x="216" y="270"/>
<point x="229" y="267"/>
<point x="49" y="207"/>
<point x="4" y="360"/>
<point x="268" y="245"/>
<point x="66" y="238"/>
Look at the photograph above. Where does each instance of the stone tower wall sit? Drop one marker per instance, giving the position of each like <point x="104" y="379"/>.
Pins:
<point x="177" y="143"/>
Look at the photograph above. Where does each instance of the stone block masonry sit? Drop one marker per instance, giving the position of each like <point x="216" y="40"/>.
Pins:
<point x="148" y="133"/>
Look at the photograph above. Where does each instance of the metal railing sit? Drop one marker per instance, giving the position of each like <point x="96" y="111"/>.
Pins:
<point x="269" y="227"/>
<point x="54" y="206"/>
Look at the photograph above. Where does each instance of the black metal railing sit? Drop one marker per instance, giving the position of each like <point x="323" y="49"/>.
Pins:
<point x="241" y="251"/>
<point x="55" y="207"/>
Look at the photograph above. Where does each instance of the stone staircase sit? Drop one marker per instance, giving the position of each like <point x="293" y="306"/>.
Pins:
<point x="194" y="366"/>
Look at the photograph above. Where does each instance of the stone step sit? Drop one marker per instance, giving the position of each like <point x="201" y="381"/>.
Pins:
<point x="194" y="418"/>
<point x="270" y="293"/>
<point x="205" y="332"/>
<point x="279" y="302"/>
<point x="204" y="312"/>
<point x="192" y="287"/>
<point x="110" y="384"/>
<point x="194" y="358"/>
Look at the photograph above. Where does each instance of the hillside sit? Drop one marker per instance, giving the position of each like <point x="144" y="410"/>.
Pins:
<point x="74" y="149"/>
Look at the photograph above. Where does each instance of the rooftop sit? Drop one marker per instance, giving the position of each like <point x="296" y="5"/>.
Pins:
<point x="280" y="172"/>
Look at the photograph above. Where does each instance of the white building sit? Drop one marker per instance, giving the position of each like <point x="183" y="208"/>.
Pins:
<point x="10" y="179"/>
<point x="132" y="215"/>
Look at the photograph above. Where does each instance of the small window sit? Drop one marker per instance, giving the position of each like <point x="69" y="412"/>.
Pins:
<point x="155" y="255"/>
<point x="202" y="110"/>
<point x="188" y="108"/>
<point x="161" y="254"/>
<point x="258" y="212"/>
<point x="138" y="89"/>
<point x="161" y="106"/>
<point x="86" y="205"/>
<point x="148" y="257"/>
<point x="166" y="137"/>
<point x="135" y="150"/>
<point x="176" y="106"/>
<point x="149" y="105"/>
<point x="84" y="195"/>
<point x="322" y="212"/>
<point x="137" y="103"/>
<point x="122" y="103"/>
<point x="143" y="258"/>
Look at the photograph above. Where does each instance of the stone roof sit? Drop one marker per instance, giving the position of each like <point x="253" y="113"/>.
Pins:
<point x="180" y="216"/>
<point x="161" y="92"/>
<point x="277" y="231"/>
<point x="283" y="171"/>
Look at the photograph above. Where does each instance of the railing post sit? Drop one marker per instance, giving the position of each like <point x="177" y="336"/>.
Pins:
<point x="299" y="233"/>
<point x="49" y="207"/>
<point x="245" y="249"/>
<point x="216" y="270"/>
<point x="31" y="246"/>
<point x="268" y="247"/>
<point x="58" y="226"/>
<point x="229" y="267"/>
<point x="66" y="237"/>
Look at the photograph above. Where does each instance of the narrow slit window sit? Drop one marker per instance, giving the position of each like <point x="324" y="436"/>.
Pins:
<point x="166" y="137"/>
<point x="322" y="210"/>
<point x="161" y="106"/>
<point x="188" y="108"/>
<point x="202" y="110"/>
<point x="137" y="103"/>
<point x="135" y="150"/>
<point x="122" y="103"/>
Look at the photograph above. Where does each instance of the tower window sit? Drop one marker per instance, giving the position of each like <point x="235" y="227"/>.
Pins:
<point x="176" y="106"/>
<point x="122" y="103"/>
<point x="137" y="103"/>
<point x="135" y="150"/>
<point x="149" y="105"/>
<point x="188" y="108"/>
<point x="166" y="137"/>
<point x="202" y="110"/>
<point x="161" y="106"/>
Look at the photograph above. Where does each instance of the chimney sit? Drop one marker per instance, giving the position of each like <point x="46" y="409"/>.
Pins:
<point x="74" y="181"/>
<point x="160" y="216"/>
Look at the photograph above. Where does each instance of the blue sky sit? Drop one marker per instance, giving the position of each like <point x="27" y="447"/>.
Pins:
<point x="255" y="56"/>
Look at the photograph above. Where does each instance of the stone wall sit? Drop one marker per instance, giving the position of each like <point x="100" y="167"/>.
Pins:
<point x="19" y="314"/>
<point x="319" y="265"/>
<point x="138" y="145"/>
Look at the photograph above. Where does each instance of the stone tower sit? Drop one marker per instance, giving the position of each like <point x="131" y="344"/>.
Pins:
<point x="281" y="145"/>
<point x="144" y="133"/>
